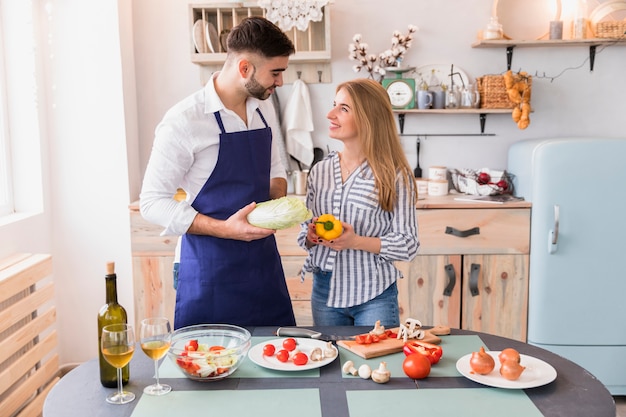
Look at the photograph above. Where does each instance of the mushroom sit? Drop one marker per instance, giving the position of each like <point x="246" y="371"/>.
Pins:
<point x="365" y="371"/>
<point x="349" y="368"/>
<point x="381" y="375"/>
<point x="329" y="350"/>
<point x="378" y="329"/>
<point x="316" y="354"/>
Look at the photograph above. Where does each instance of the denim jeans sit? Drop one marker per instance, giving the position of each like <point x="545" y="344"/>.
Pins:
<point x="383" y="308"/>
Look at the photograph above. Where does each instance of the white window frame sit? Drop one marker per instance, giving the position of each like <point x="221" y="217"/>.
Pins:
<point x="21" y="107"/>
<point x="6" y="189"/>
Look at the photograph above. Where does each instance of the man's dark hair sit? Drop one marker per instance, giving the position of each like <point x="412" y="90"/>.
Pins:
<point x="260" y="36"/>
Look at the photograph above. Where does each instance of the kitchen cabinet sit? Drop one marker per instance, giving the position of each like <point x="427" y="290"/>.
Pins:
<point x="211" y="22"/>
<point x="476" y="282"/>
<point x="153" y="258"/>
<point x="293" y="257"/>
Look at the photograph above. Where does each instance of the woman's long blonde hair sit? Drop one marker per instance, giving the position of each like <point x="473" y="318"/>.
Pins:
<point x="380" y="141"/>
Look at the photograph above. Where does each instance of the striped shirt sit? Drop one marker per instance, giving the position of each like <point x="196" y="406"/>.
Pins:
<point x="359" y="276"/>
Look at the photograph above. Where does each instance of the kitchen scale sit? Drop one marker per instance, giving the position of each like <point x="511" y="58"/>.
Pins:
<point x="401" y="90"/>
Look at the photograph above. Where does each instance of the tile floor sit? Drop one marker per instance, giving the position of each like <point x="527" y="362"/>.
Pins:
<point x="620" y="404"/>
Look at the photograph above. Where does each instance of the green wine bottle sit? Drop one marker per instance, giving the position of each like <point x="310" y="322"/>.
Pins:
<point x="110" y="313"/>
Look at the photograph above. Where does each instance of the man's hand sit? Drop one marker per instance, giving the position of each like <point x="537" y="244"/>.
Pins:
<point x="235" y="227"/>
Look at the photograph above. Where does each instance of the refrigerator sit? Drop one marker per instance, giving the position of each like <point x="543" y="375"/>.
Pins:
<point x="577" y="275"/>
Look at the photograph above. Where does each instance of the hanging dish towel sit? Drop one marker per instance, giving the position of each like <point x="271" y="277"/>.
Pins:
<point x="298" y="123"/>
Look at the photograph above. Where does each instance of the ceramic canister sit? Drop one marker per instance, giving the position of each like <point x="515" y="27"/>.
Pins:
<point x="422" y="187"/>
<point x="437" y="187"/>
<point x="437" y="173"/>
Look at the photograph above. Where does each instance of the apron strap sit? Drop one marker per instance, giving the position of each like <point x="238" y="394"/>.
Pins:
<point x="221" y="124"/>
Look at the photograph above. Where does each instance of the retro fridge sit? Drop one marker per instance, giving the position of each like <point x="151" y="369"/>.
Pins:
<point x="577" y="284"/>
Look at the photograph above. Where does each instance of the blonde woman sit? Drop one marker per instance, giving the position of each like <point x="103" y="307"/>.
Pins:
<point x="369" y="187"/>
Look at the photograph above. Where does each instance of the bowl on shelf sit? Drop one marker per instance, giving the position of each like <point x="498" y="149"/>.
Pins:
<point x="209" y="352"/>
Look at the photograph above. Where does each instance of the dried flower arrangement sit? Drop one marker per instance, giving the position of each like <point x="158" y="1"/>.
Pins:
<point x="390" y="58"/>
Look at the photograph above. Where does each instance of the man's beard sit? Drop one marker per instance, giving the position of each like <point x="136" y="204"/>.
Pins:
<point x="256" y="90"/>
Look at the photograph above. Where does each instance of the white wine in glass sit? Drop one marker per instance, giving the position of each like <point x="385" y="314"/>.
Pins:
<point x="118" y="347"/>
<point x="155" y="339"/>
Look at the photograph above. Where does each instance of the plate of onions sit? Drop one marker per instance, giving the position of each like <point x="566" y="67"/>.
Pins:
<point x="505" y="369"/>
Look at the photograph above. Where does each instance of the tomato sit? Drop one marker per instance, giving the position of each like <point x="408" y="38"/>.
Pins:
<point x="282" y="355"/>
<point x="192" y="345"/>
<point x="432" y="352"/>
<point x="269" y="349"/>
<point x="289" y="344"/>
<point x="416" y="366"/>
<point x="216" y="348"/>
<point x="300" y="359"/>
<point x="364" y="339"/>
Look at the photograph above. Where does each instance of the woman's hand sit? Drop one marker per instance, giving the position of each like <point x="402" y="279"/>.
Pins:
<point x="347" y="240"/>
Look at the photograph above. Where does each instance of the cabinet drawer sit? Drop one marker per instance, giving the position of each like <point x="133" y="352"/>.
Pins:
<point x="500" y="231"/>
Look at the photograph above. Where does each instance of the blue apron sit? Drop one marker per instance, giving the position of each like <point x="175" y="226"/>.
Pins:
<point x="232" y="281"/>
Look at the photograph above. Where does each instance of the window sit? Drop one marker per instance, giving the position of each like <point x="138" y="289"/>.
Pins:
<point x="21" y="180"/>
<point x="6" y="201"/>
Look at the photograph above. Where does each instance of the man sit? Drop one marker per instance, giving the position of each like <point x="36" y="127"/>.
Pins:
<point x="217" y="145"/>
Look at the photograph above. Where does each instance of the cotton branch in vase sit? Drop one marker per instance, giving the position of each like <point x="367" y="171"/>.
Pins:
<point x="375" y="64"/>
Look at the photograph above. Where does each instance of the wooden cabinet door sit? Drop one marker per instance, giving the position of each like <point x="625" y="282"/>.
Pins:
<point x="495" y="299"/>
<point x="421" y="291"/>
<point x="154" y="288"/>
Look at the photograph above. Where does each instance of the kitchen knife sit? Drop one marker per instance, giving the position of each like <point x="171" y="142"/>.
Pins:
<point x="308" y="333"/>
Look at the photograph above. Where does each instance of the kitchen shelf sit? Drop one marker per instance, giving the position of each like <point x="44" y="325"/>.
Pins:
<point x="510" y="44"/>
<point x="310" y="63"/>
<point x="482" y="113"/>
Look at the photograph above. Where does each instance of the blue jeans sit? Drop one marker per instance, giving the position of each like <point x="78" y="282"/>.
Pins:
<point x="383" y="308"/>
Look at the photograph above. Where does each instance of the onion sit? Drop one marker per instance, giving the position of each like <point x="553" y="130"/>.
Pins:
<point x="509" y="354"/>
<point x="511" y="370"/>
<point x="481" y="362"/>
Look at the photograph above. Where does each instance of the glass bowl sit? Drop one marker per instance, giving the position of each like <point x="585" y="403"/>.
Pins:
<point x="209" y="352"/>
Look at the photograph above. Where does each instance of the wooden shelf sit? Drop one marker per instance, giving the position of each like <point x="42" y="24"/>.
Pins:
<point x="453" y="111"/>
<point x="509" y="44"/>
<point x="482" y="113"/>
<point x="503" y="43"/>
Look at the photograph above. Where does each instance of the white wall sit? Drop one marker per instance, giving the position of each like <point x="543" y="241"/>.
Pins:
<point x="85" y="222"/>
<point x="579" y="102"/>
<point x="114" y="68"/>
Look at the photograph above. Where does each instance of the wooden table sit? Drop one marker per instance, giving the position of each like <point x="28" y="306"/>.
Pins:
<point x="327" y="392"/>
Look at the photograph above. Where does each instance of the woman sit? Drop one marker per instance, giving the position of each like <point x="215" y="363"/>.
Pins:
<point x="369" y="187"/>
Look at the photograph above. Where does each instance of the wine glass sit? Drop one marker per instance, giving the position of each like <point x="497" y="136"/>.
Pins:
<point x="118" y="346"/>
<point x="155" y="339"/>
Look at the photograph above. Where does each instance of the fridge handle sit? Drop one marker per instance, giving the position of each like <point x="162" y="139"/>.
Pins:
<point x="553" y="235"/>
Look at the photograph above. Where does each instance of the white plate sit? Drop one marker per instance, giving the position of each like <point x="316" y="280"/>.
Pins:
<point x="198" y="37"/>
<point x="211" y="36"/>
<point x="442" y="72"/>
<point x="536" y="374"/>
<point x="304" y="345"/>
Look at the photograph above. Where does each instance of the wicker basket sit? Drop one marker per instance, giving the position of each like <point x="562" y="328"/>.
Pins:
<point x="493" y="94"/>
<point x="613" y="29"/>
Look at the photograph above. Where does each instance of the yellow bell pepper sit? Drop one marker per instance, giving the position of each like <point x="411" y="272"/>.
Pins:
<point x="328" y="227"/>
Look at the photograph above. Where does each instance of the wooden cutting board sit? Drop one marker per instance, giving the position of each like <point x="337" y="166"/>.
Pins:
<point x="385" y="347"/>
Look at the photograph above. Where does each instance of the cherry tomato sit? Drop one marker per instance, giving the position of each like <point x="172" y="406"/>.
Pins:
<point x="289" y="344"/>
<point x="269" y="349"/>
<point x="300" y="358"/>
<point x="192" y="345"/>
<point x="282" y="355"/>
<point x="416" y="366"/>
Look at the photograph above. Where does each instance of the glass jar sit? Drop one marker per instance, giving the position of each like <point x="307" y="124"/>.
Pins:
<point x="493" y="29"/>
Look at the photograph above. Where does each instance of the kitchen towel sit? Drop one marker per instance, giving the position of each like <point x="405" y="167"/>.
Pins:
<point x="298" y="123"/>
